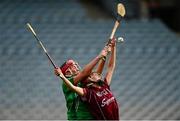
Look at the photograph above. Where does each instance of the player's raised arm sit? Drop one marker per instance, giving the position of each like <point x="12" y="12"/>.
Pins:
<point x="89" y="67"/>
<point x="112" y="62"/>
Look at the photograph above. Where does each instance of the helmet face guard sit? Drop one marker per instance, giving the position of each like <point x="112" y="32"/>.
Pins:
<point x="70" y="74"/>
<point x="66" y="67"/>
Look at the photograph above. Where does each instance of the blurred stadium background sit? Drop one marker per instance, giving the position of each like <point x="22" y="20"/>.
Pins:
<point x="147" y="77"/>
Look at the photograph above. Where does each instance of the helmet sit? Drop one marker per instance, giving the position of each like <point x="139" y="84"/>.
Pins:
<point x="66" y="65"/>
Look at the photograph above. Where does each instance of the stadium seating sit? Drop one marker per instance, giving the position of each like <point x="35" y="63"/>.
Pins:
<point x="146" y="80"/>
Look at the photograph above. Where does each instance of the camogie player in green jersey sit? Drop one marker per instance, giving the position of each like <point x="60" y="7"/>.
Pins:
<point x="77" y="109"/>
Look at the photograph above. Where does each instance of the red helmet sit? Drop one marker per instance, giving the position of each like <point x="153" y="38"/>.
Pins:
<point x="66" y="65"/>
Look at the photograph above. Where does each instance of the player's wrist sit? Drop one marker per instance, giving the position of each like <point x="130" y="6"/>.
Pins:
<point x="61" y="76"/>
<point x="101" y="57"/>
<point x="104" y="58"/>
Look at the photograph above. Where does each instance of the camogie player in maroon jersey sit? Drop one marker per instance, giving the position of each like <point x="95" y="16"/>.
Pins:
<point x="96" y="92"/>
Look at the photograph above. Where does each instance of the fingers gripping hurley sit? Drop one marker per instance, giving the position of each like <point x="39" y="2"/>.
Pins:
<point x="41" y="44"/>
<point x="120" y="14"/>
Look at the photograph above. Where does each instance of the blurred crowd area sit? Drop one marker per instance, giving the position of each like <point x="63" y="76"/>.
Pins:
<point x="146" y="79"/>
<point x="166" y="10"/>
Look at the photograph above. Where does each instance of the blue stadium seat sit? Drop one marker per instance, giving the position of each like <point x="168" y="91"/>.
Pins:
<point x="146" y="80"/>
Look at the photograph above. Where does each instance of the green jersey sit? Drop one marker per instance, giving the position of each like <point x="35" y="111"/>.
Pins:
<point x="76" y="109"/>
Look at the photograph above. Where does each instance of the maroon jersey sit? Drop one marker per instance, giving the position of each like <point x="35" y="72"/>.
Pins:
<point x="101" y="102"/>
